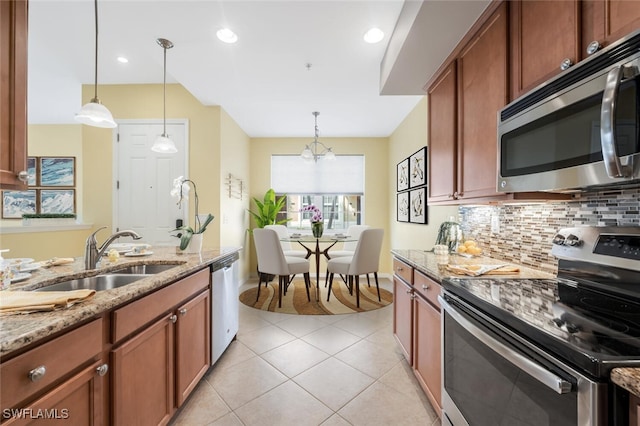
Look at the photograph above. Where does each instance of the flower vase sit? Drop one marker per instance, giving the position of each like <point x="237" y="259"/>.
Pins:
<point x="317" y="228"/>
<point x="195" y="244"/>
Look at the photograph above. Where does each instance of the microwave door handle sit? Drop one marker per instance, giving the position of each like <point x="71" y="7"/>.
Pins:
<point x="536" y="371"/>
<point x="612" y="163"/>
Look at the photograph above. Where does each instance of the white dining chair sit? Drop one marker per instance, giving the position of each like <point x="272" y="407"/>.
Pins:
<point x="271" y="260"/>
<point x="349" y="247"/>
<point x="365" y="260"/>
<point x="283" y="234"/>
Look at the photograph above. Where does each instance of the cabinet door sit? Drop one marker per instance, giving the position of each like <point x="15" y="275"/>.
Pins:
<point x="482" y="92"/>
<point x="426" y="350"/>
<point x="13" y="92"/>
<point x="77" y="401"/>
<point x="193" y="348"/>
<point x="402" y="316"/>
<point x="634" y="411"/>
<point x="543" y="34"/>
<point x="143" y="376"/>
<point x="606" y="21"/>
<point x="442" y="136"/>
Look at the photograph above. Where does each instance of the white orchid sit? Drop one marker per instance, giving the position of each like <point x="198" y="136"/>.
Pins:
<point x="181" y="192"/>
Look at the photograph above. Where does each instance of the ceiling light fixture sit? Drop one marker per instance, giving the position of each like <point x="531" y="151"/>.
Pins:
<point x="94" y="113"/>
<point x="226" y="35"/>
<point x="374" y="35"/>
<point x="122" y="59"/>
<point x="317" y="149"/>
<point x="163" y="144"/>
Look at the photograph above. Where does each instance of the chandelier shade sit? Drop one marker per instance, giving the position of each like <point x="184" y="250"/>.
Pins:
<point x="316" y="149"/>
<point x="163" y="144"/>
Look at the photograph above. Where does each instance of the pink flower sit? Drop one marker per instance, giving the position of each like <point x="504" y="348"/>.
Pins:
<point x="316" y="214"/>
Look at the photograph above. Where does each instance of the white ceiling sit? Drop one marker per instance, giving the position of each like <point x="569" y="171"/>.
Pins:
<point x="262" y="81"/>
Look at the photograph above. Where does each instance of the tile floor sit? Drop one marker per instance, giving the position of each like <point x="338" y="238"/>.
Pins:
<point x="310" y="370"/>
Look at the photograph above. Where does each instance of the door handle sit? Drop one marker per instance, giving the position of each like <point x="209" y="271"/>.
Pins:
<point x="612" y="163"/>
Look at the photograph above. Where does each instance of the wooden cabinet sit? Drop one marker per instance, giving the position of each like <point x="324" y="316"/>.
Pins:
<point x="64" y="378"/>
<point x="634" y="410"/>
<point x="162" y="350"/>
<point x="416" y="327"/>
<point x="606" y="21"/>
<point x="13" y="92"/>
<point x="542" y="35"/>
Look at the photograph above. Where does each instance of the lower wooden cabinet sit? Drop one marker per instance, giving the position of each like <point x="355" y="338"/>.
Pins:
<point x="634" y="411"/>
<point x="403" y="316"/>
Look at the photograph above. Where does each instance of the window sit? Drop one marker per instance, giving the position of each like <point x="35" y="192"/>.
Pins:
<point x="336" y="187"/>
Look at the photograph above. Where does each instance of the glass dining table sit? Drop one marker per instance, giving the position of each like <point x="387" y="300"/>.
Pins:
<point x="327" y="241"/>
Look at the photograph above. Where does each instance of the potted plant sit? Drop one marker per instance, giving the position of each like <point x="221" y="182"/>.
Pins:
<point x="268" y="209"/>
<point x="181" y="192"/>
<point x="317" y="224"/>
<point x="48" y="219"/>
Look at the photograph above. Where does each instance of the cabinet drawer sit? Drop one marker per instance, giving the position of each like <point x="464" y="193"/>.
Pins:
<point x="403" y="270"/>
<point x="58" y="357"/>
<point x="427" y="287"/>
<point x="134" y="316"/>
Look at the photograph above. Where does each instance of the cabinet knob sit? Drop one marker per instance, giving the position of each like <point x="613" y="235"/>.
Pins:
<point x="183" y="311"/>
<point x="400" y="269"/>
<point x="173" y="318"/>
<point x="102" y="370"/>
<point x="408" y="291"/>
<point x="593" y="47"/>
<point x="566" y="64"/>
<point x="425" y="286"/>
<point x="23" y="176"/>
<point x="37" y="373"/>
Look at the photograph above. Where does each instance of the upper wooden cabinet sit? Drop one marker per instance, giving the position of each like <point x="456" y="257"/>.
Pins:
<point x="606" y="21"/>
<point x="13" y="92"/>
<point x="543" y="34"/>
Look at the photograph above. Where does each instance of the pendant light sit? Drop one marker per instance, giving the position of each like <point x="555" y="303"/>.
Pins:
<point x="317" y="149"/>
<point x="94" y="113"/>
<point x="163" y="144"/>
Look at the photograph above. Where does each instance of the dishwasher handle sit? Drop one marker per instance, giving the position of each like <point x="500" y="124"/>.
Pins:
<point x="536" y="371"/>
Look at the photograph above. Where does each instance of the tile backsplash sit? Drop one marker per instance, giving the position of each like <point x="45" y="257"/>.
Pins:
<point x="522" y="233"/>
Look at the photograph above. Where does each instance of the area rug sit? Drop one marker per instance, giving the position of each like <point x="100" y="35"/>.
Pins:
<point x="295" y="301"/>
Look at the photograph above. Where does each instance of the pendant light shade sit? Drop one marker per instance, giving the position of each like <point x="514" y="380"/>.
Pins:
<point x="94" y="113"/>
<point x="316" y="149"/>
<point x="163" y="144"/>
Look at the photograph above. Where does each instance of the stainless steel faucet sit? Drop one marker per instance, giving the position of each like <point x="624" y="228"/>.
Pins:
<point x="92" y="253"/>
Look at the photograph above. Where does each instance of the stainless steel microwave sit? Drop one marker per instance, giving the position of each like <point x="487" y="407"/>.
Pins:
<point x="577" y="131"/>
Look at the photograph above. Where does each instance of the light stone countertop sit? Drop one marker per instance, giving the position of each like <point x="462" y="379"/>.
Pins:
<point x="433" y="266"/>
<point x="20" y="330"/>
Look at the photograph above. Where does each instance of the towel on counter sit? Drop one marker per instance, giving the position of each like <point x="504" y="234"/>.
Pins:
<point x="476" y="270"/>
<point x="56" y="261"/>
<point x="33" y="301"/>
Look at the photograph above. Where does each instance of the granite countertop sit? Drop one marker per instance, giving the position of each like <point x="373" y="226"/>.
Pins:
<point x="434" y="266"/>
<point x="19" y="330"/>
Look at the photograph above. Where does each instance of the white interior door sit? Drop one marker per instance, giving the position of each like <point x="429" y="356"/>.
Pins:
<point x="144" y="181"/>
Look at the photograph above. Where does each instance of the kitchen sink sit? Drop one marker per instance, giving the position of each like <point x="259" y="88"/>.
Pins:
<point x="98" y="282"/>
<point x="144" y="269"/>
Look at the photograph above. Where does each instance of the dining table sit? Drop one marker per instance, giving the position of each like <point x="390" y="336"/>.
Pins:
<point x="327" y="241"/>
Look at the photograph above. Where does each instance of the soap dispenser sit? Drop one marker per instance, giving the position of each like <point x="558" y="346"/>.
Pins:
<point x="5" y="271"/>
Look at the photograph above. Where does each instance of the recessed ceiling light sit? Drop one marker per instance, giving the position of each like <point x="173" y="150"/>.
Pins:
<point x="374" y="35"/>
<point x="122" y="59"/>
<point x="226" y="35"/>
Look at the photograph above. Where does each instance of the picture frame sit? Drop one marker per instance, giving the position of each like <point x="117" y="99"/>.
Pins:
<point x="402" y="175"/>
<point x="16" y="203"/>
<point x="32" y="168"/>
<point x="418" y="168"/>
<point x="403" y="207"/>
<point x="58" y="201"/>
<point x="418" y="205"/>
<point x="57" y="171"/>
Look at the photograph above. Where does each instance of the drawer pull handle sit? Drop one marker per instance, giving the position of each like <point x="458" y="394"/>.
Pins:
<point x="183" y="311"/>
<point x="102" y="370"/>
<point x="173" y="318"/>
<point x="408" y="291"/>
<point x="37" y="373"/>
<point x="400" y="269"/>
<point x="425" y="287"/>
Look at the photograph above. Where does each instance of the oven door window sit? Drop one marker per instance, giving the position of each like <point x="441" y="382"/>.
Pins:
<point x="489" y="390"/>
<point x="570" y="136"/>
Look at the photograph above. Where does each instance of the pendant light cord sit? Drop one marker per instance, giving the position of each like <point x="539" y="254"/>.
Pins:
<point x="95" y="93"/>
<point x="164" y="95"/>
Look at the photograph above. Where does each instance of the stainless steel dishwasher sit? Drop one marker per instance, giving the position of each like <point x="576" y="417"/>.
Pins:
<point x="224" y="304"/>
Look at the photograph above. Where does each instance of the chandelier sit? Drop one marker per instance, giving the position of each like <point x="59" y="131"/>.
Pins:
<point x="317" y="149"/>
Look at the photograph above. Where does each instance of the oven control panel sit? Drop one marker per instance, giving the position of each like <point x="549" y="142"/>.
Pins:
<point x="627" y="246"/>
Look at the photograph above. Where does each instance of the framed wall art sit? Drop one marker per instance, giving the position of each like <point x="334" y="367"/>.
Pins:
<point x="403" y="207"/>
<point x="57" y="171"/>
<point x="57" y="201"/>
<point x="418" y="168"/>
<point x="16" y="203"/>
<point x="402" y="175"/>
<point x="418" y="205"/>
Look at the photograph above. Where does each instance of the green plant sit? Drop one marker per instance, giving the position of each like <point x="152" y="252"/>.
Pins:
<point x="48" y="216"/>
<point x="267" y="209"/>
<point x="181" y="190"/>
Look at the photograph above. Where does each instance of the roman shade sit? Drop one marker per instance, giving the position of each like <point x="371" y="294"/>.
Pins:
<point x="290" y="174"/>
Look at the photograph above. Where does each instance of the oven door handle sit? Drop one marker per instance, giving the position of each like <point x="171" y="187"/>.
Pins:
<point x="541" y="374"/>
<point x="615" y="169"/>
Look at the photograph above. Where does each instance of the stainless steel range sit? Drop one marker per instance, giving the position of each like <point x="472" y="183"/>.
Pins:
<point x="540" y="352"/>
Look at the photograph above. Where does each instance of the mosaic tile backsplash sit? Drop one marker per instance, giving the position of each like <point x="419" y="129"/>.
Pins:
<point x="526" y="230"/>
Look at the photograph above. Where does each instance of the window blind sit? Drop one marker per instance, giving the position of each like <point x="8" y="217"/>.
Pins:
<point x="290" y="174"/>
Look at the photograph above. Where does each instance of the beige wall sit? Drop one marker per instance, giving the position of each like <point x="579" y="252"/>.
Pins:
<point x="410" y="136"/>
<point x="377" y="202"/>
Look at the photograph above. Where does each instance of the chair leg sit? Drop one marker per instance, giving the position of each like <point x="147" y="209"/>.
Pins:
<point x="375" y="275"/>
<point x="281" y="280"/>
<point x="368" y="282"/>
<point x="326" y="278"/>
<point x="307" y="284"/>
<point x="330" y="284"/>
<point x="350" y="284"/>
<point x="289" y="279"/>
<point x="259" y="285"/>
<point x="358" y="291"/>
